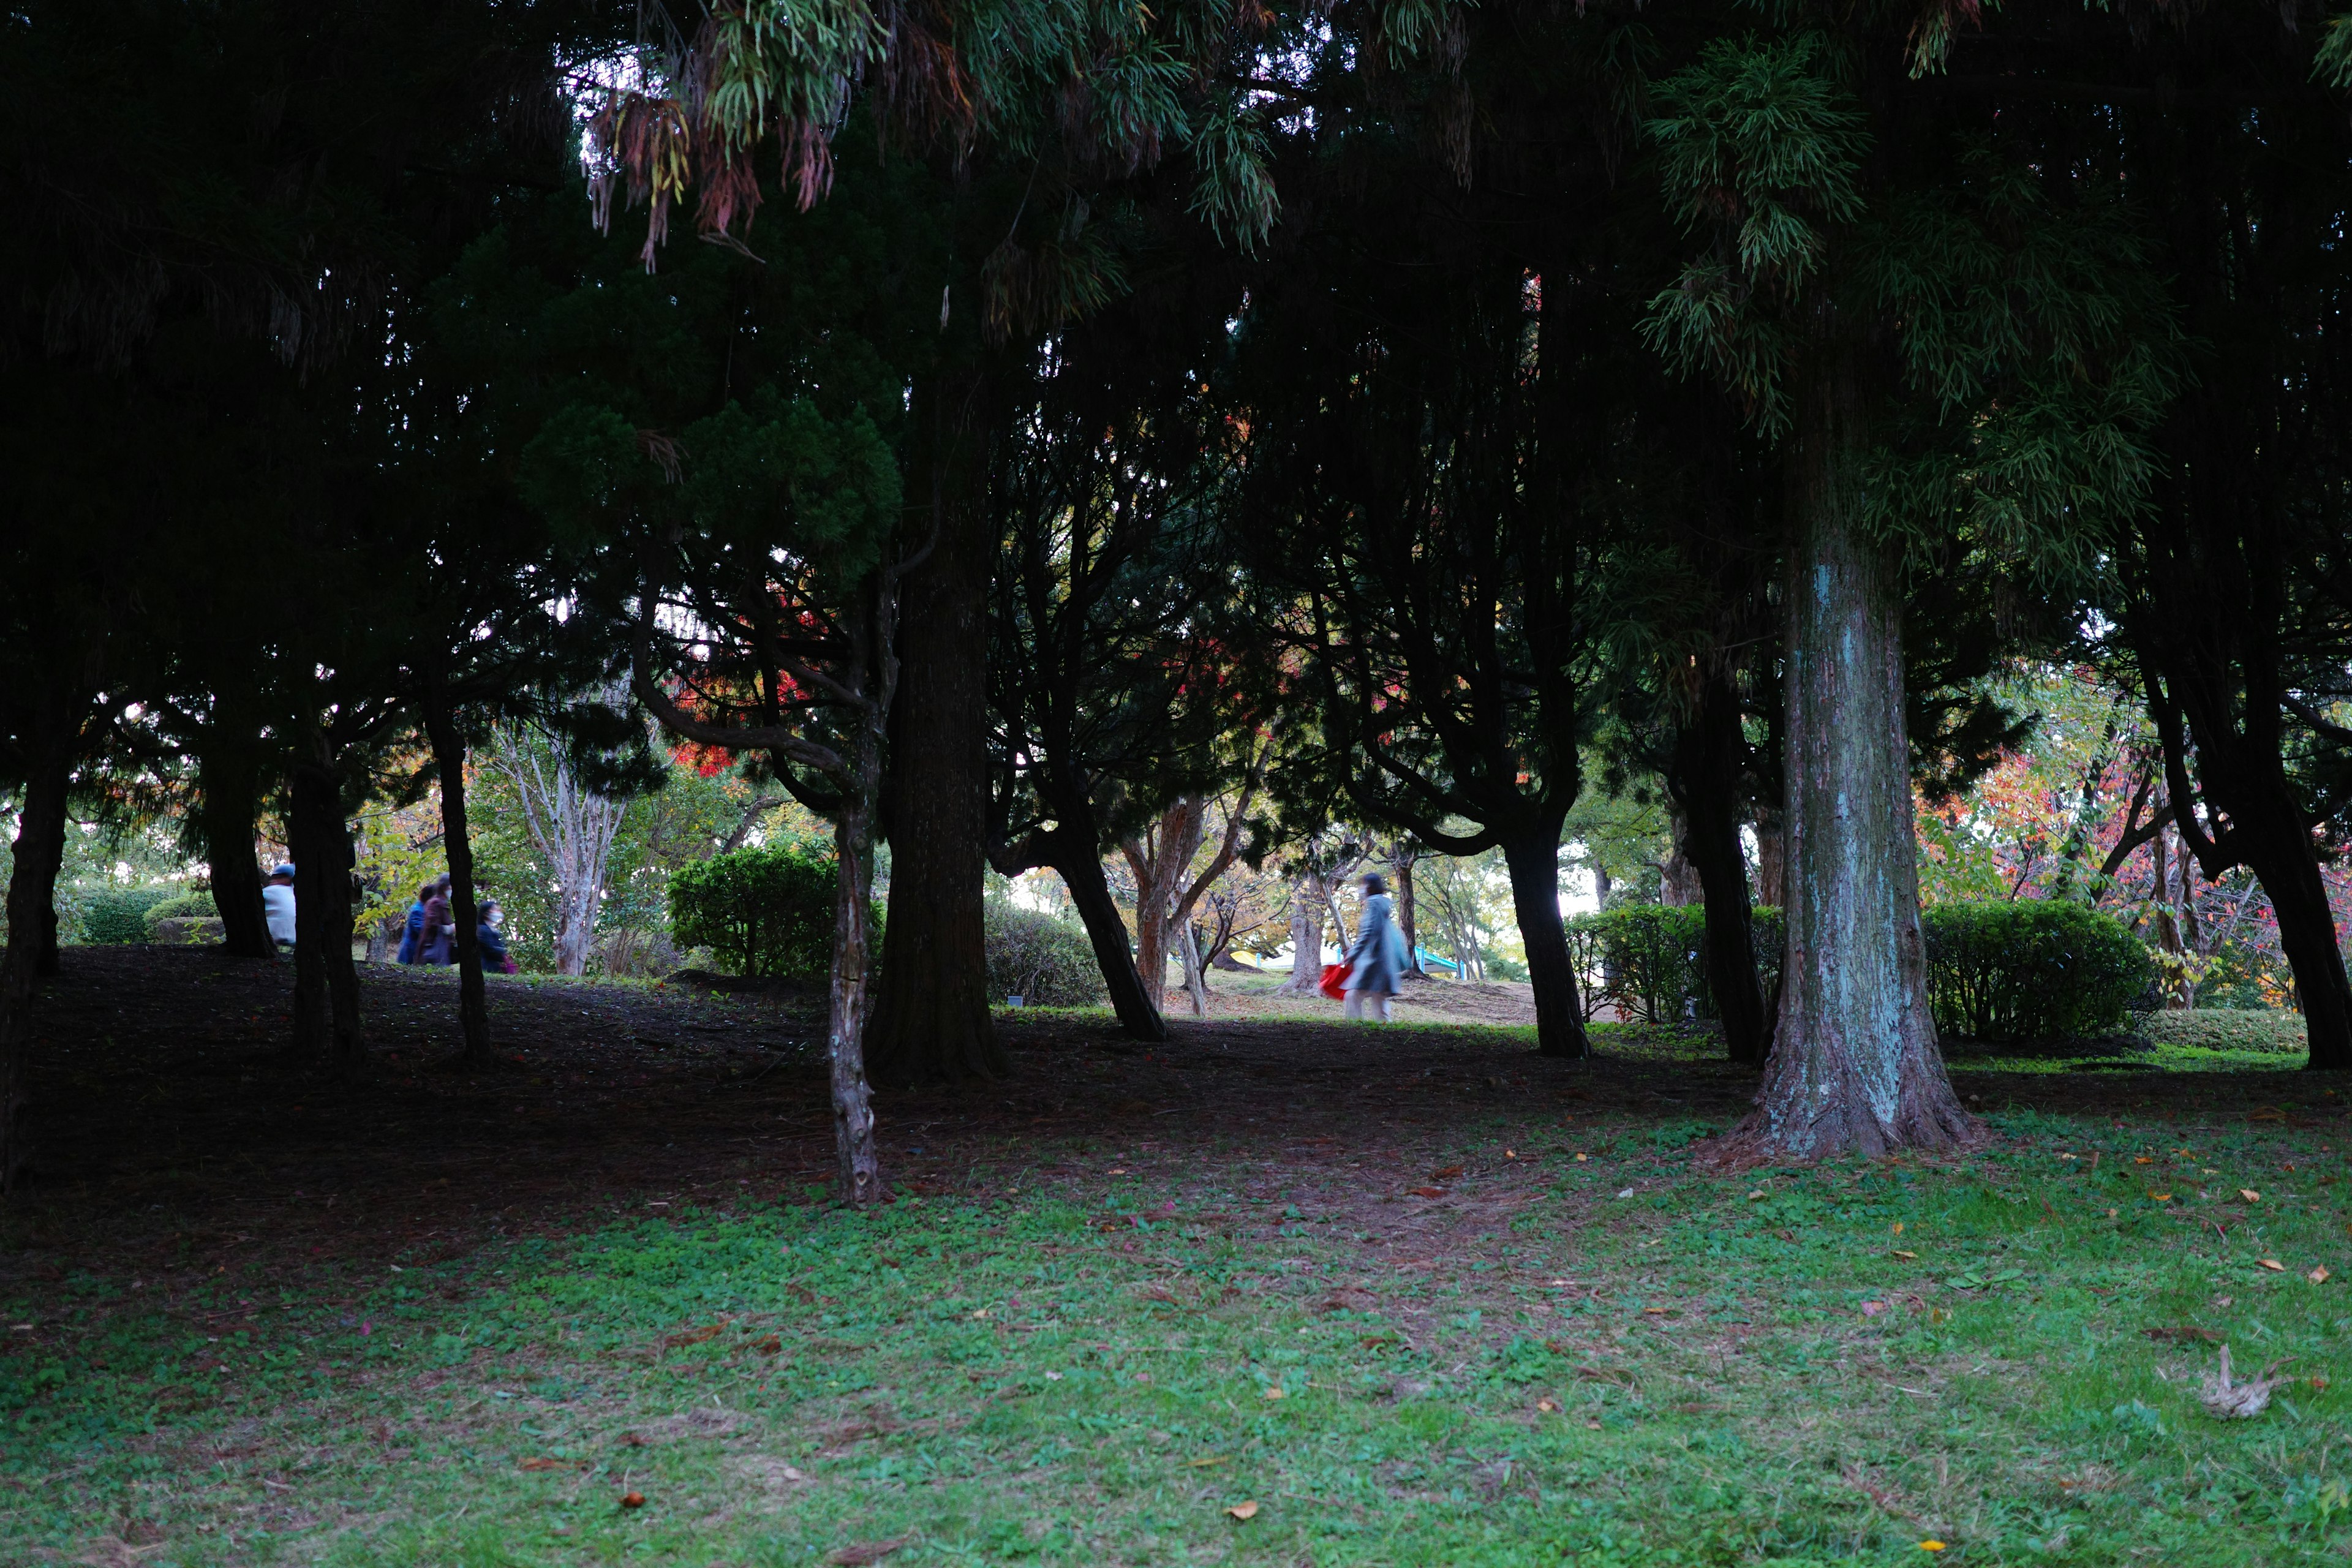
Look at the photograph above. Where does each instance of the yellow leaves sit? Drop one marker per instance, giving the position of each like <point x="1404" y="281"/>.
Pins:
<point x="2143" y="1160"/>
<point x="1906" y="1257"/>
<point x="1211" y="1459"/>
<point x="1274" y="1391"/>
<point x="2272" y="1264"/>
<point x="2318" y="1276"/>
<point x="1546" y="1405"/>
<point x="2250" y="1195"/>
<point x="1931" y="1546"/>
<point x="1754" y="1196"/>
<point x="1114" y="1171"/>
<point x="1243" y="1512"/>
<point x="1581" y="1158"/>
<point x="1898" y="1228"/>
<point x="2161" y="1197"/>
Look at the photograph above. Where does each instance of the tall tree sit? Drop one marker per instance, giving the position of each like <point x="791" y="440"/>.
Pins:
<point x="1945" y="340"/>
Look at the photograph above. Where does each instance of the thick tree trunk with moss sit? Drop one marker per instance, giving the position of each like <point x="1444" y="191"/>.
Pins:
<point x="1855" y="1067"/>
<point x="1533" y="860"/>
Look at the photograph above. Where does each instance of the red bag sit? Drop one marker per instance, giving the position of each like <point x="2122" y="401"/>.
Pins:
<point x="1334" y="981"/>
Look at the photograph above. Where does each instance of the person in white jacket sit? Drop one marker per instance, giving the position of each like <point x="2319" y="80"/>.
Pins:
<point x="278" y="903"/>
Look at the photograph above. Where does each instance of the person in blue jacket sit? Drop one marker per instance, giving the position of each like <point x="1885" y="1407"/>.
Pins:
<point x="496" y="960"/>
<point x="416" y="930"/>
<point x="1376" y="962"/>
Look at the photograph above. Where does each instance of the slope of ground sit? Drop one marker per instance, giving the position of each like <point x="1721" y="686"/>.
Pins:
<point x="1416" y="1294"/>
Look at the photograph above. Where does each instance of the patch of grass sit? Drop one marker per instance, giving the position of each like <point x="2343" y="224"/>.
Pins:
<point x="2228" y="1029"/>
<point x="1643" y="1364"/>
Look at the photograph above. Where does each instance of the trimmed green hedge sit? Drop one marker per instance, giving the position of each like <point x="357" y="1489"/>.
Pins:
<point x="199" y="906"/>
<point x="1649" y="960"/>
<point x="2031" y="969"/>
<point x="121" y="915"/>
<point x="1045" y="961"/>
<point x="765" y="913"/>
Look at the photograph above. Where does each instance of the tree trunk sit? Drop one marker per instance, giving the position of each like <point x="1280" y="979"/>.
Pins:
<point x="1082" y="873"/>
<point x="853" y="1100"/>
<point x="1679" y="884"/>
<point x="2278" y="849"/>
<point x="1708" y="753"/>
<point x="1196" y="982"/>
<point x="1772" y="859"/>
<point x="226" y="806"/>
<point x="449" y="760"/>
<point x="1405" y="921"/>
<point x="326" y="986"/>
<point x="1159" y="862"/>
<point x="1308" y="899"/>
<point x="930" y="1011"/>
<point x="1533" y="860"/>
<point x="39" y="852"/>
<point x="1855" y="1064"/>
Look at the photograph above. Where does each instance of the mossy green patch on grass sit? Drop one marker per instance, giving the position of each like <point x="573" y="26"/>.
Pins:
<point x="1642" y="1363"/>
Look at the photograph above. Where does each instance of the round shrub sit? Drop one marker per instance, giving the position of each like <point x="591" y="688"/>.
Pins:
<point x="1045" y="961"/>
<point x="763" y="913"/>
<point x="187" y="906"/>
<point x="2034" y="969"/>
<point x="120" y="915"/>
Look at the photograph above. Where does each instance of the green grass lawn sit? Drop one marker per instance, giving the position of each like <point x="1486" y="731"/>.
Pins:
<point x="1639" y="1363"/>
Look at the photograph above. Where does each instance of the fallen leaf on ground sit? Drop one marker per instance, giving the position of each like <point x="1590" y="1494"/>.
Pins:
<point x="2316" y="1385"/>
<point x="555" y="1464"/>
<point x="1545" y="1405"/>
<point x="2161" y="1197"/>
<point x="1211" y="1459"/>
<point x="1449" y="1172"/>
<point x="1244" y="1510"/>
<point x="1429" y="1192"/>
<point x="2250" y="1195"/>
<point x="2272" y="1264"/>
<point x="1900" y="1253"/>
<point x="2318" y="1276"/>
<point x="1584" y="1156"/>
<point x="768" y="1344"/>
<point x="694" y="1336"/>
<point x="633" y="1500"/>
<point x="1931" y="1546"/>
<point x="858" y="1553"/>
<point x="1274" y="1393"/>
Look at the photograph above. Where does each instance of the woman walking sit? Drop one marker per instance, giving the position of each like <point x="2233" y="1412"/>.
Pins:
<point x="1377" y="960"/>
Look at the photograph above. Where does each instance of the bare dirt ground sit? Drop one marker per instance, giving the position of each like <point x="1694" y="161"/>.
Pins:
<point x="1258" y="995"/>
<point x="173" y="1131"/>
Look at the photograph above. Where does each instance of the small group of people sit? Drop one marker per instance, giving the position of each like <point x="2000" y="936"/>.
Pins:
<point x="432" y="933"/>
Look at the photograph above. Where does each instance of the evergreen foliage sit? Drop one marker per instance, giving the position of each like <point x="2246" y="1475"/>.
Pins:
<point x="2031" y="969"/>
<point x="1045" y="960"/>
<point x="765" y="913"/>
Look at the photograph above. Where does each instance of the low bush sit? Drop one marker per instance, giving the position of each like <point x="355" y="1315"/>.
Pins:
<point x="120" y="915"/>
<point x="187" y="906"/>
<point x="1645" y="958"/>
<point x="1045" y="960"/>
<point x="763" y="913"/>
<point x="2031" y="969"/>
